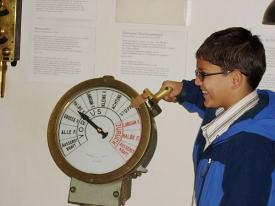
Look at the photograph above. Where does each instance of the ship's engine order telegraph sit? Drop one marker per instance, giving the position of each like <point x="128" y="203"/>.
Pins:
<point x="102" y="134"/>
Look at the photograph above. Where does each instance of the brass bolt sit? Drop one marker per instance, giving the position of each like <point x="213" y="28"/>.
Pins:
<point x="2" y="31"/>
<point x="73" y="189"/>
<point x="6" y="51"/>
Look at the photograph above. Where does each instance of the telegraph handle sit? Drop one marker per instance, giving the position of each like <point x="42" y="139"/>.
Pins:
<point x="147" y="95"/>
<point x="162" y="93"/>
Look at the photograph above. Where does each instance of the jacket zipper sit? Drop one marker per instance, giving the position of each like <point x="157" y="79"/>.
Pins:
<point x="203" y="178"/>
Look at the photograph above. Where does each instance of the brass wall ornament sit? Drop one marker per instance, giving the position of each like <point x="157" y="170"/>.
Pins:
<point x="10" y="31"/>
<point x="101" y="141"/>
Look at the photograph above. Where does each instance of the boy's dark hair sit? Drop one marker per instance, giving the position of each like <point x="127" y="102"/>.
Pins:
<point x="235" y="48"/>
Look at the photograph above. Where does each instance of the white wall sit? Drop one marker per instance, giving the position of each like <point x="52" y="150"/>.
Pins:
<point x="28" y="174"/>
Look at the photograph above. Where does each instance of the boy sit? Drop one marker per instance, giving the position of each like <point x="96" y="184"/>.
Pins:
<point x="234" y="153"/>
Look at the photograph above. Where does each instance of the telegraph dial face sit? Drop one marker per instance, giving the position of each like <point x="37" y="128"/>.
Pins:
<point x="95" y="135"/>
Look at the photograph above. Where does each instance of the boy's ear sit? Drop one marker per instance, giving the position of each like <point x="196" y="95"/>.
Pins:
<point x="237" y="78"/>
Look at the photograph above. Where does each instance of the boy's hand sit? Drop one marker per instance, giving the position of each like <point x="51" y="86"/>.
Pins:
<point x="177" y="87"/>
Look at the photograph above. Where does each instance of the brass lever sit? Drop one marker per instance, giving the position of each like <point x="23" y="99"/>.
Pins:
<point x="3" y="70"/>
<point x="147" y="94"/>
<point x="162" y="93"/>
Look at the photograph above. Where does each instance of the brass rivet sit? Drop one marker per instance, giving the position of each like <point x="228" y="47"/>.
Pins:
<point x="115" y="193"/>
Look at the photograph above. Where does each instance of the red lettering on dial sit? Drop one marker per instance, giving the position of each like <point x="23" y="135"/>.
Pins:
<point x="116" y="139"/>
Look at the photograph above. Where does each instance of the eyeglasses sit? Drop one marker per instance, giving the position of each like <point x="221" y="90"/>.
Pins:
<point x="201" y="75"/>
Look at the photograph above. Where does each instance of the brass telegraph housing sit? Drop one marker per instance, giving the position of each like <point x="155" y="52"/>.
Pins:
<point x="10" y="30"/>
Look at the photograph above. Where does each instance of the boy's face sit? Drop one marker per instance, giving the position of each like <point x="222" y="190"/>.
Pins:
<point x="215" y="88"/>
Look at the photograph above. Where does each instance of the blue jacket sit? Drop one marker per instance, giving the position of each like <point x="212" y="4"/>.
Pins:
<point x="238" y="168"/>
